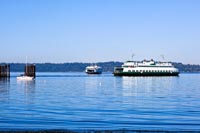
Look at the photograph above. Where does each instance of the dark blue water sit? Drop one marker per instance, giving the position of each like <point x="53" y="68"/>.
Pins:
<point x="76" y="101"/>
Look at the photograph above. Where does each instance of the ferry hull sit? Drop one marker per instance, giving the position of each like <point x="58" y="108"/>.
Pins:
<point x="93" y="72"/>
<point x="145" y="74"/>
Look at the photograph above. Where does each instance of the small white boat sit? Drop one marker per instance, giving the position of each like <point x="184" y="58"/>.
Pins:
<point x="25" y="78"/>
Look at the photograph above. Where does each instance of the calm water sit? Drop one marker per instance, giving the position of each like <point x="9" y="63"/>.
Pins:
<point x="77" y="101"/>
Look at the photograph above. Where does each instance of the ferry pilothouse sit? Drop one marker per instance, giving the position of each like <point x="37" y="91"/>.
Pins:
<point x="146" y="68"/>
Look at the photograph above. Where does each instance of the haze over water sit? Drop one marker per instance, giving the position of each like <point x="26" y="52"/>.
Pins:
<point x="76" y="101"/>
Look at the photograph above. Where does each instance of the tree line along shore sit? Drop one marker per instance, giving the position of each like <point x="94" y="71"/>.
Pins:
<point x="80" y="67"/>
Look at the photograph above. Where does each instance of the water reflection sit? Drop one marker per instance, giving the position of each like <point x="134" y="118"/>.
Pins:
<point x="129" y="86"/>
<point x="149" y="86"/>
<point x="92" y="85"/>
<point x="29" y="90"/>
<point x="4" y="89"/>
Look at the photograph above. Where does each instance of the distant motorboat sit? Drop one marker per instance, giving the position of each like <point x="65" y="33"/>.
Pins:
<point x="93" y="69"/>
<point x="25" y="78"/>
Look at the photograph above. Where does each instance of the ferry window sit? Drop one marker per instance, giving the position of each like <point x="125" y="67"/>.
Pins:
<point x="129" y="70"/>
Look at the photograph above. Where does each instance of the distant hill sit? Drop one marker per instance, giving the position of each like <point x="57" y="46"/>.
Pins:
<point x="187" y="67"/>
<point x="80" y="67"/>
<point x="64" y="67"/>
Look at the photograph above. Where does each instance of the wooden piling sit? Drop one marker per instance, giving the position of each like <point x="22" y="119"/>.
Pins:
<point x="30" y="70"/>
<point x="4" y="70"/>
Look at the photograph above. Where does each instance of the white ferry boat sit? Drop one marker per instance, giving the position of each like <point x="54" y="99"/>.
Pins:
<point x="146" y="68"/>
<point x="93" y="69"/>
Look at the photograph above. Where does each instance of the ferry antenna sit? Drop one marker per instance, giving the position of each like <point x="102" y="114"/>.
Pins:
<point x="132" y="56"/>
<point x="163" y="57"/>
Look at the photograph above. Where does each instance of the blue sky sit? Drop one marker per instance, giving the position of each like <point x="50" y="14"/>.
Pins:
<point x="99" y="30"/>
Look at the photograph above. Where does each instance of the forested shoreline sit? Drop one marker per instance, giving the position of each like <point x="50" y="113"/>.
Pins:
<point x="80" y="67"/>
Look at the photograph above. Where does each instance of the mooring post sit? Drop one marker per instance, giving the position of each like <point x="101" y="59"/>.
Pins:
<point x="4" y="70"/>
<point x="30" y="70"/>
